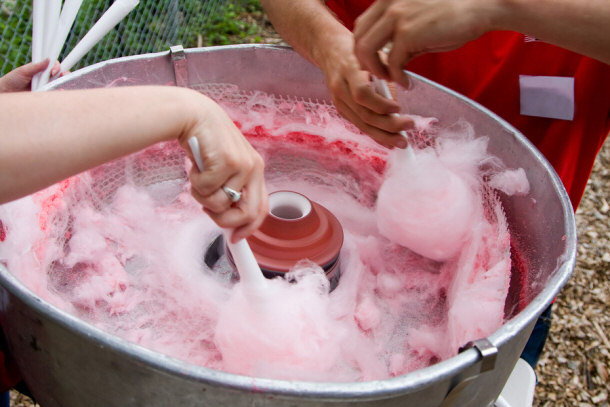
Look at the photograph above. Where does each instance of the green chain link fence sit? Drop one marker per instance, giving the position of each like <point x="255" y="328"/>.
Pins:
<point x="151" y="27"/>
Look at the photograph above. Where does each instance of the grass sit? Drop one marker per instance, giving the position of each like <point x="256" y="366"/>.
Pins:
<point x="231" y="26"/>
<point x="151" y="27"/>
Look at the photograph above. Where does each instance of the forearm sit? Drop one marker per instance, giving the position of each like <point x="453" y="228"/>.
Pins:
<point x="580" y="26"/>
<point x="309" y="27"/>
<point x="48" y="136"/>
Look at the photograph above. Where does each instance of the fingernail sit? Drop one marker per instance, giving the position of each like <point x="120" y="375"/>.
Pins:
<point x="401" y="143"/>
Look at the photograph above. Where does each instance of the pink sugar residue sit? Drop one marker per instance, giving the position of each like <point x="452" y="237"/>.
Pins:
<point x="124" y="252"/>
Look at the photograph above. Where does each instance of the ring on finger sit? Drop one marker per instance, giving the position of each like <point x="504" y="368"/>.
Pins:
<point x="233" y="195"/>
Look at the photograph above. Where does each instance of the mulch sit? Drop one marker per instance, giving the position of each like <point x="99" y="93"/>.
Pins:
<point x="573" y="370"/>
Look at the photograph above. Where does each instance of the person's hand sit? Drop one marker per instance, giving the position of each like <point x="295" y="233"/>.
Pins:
<point x="20" y="79"/>
<point x="229" y="161"/>
<point x="414" y="27"/>
<point x="65" y="133"/>
<point x="355" y="99"/>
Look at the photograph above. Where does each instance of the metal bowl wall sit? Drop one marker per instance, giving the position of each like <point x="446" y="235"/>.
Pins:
<point x="69" y="363"/>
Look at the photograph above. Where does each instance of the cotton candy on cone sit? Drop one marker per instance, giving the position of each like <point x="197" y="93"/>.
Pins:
<point x="424" y="206"/>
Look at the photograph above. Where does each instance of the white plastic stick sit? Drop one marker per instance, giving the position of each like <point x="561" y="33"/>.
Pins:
<point x="245" y="262"/>
<point x="112" y="16"/>
<point x="381" y="87"/>
<point x="66" y="20"/>
<point x="38" y="19"/>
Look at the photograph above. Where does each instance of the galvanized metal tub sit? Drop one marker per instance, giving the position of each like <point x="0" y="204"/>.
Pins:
<point x="67" y="362"/>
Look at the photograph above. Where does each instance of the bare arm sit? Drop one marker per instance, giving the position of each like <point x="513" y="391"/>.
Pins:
<point x="311" y="29"/>
<point x="48" y="136"/>
<point x="419" y="26"/>
<point x="580" y="26"/>
<point x="308" y="26"/>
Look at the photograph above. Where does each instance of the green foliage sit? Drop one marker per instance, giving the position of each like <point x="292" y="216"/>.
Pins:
<point x="16" y="39"/>
<point x="153" y="26"/>
<point x="229" y="25"/>
<point x="144" y="30"/>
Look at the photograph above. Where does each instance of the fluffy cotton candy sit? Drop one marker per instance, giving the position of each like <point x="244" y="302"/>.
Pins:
<point x="287" y="335"/>
<point x="511" y="182"/>
<point x="424" y="206"/>
<point x="129" y="260"/>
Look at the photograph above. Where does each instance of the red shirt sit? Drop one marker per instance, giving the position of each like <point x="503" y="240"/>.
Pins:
<point x="487" y="70"/>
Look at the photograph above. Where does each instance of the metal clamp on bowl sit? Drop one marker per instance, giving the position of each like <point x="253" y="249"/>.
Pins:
<point x="488" y="353"/>
<point x="180" y="68"/>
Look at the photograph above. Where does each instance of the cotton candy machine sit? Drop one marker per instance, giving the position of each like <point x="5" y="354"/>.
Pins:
<point x="68" y="362"/>
<point x="296" y="228"/>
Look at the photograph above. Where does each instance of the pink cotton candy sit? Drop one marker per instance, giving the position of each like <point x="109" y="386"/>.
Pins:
<point x="511" y="182"/>
<point x="293" y="329"/>
<point x="424" y="206"/>
<point x="367" y="314"/>
<point x="122" y="247"/>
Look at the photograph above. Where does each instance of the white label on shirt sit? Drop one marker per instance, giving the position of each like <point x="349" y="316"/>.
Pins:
<point x="547" y="96"/>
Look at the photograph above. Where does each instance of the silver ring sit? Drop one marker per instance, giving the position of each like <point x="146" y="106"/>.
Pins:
<point x="233" y="195"/>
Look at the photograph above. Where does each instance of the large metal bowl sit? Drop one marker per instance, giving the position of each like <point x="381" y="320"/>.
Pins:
<point x="68" y="363"/>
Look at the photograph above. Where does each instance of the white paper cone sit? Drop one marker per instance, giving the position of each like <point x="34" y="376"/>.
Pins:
<point x="51" y="18"/>
<point x="66" y="20"/>
<point x="38" y="19"/>
<point x="112" y="16"/>
<point x="52" y="10"/>
<point x="250" y="273"/>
